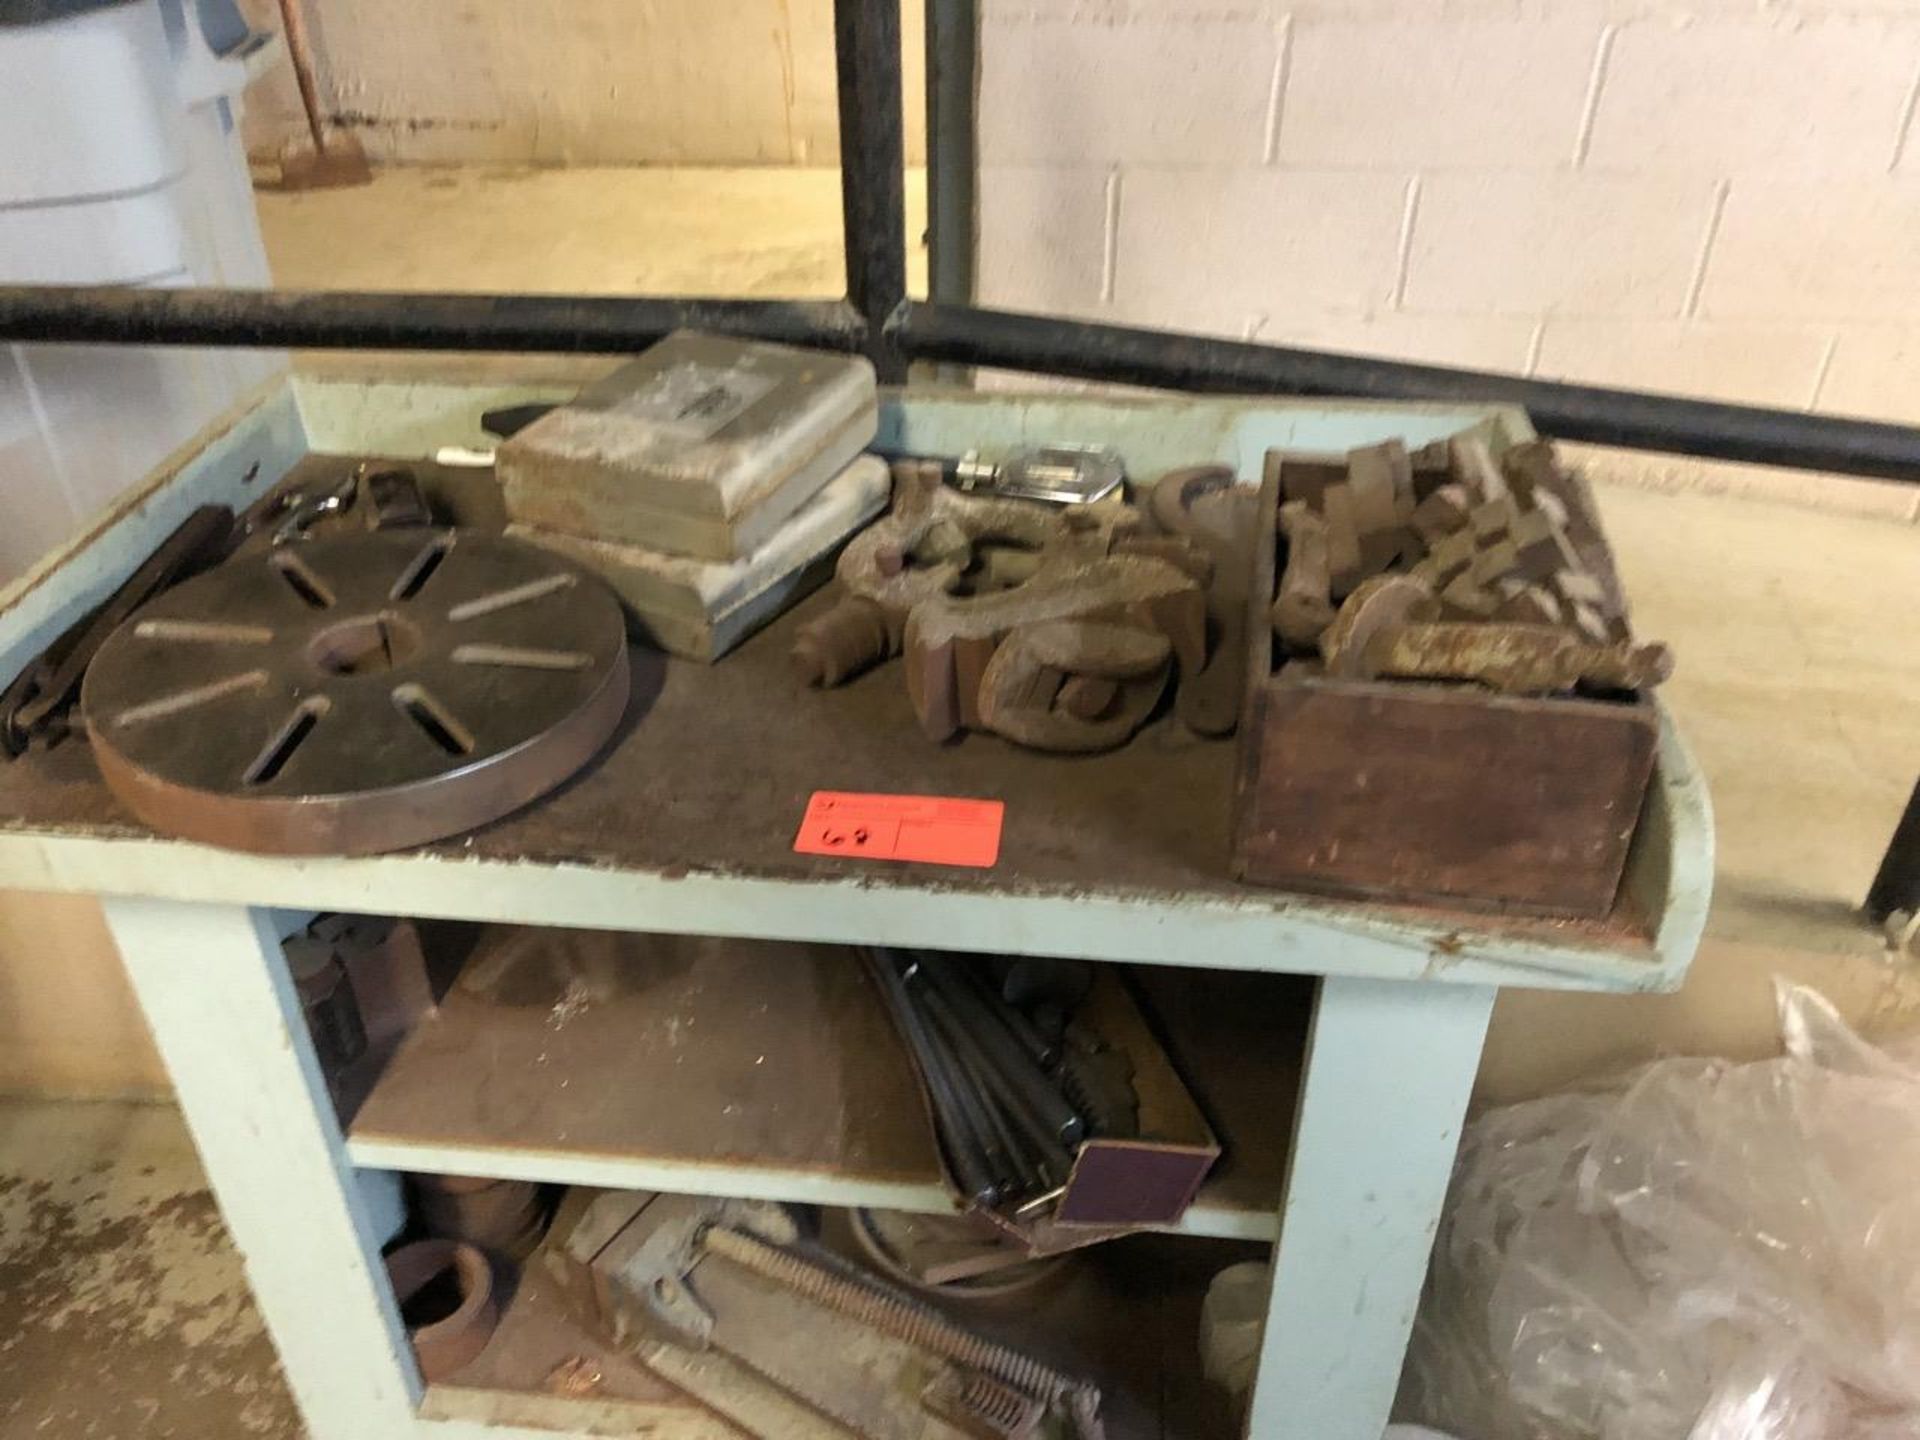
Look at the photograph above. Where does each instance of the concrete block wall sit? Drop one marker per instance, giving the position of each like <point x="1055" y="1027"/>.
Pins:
<point x="1713" y="197"/>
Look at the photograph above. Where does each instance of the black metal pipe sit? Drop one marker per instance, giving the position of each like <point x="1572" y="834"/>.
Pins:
<point x="873" y="159"/>
<point x="953" y="82"/>
<point x="1897" y="885"/>
<point x="399" y="320"/>
<point x="597" y="324"/>
<point x="1632" y="419"/>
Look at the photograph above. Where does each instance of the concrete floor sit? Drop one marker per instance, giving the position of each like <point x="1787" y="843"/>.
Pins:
<point x="1797" y="684"/>
<point x="122" y="1307"/>
<point x="761" y="232"/>
<point x="124" y="1310"/>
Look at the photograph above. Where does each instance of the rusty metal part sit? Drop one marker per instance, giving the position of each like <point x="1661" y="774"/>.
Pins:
<point x="309" y="511"/>
<point x="577" y="1377"/>
<point x="1303" y="607"/>
<point x="1529" y="603"/>
<point x="1073" y="685"/>
<point x="723" y="1297"/>
<point x="259" y="520"/>
<point x="1380" y="478"/>
<point x="1172" y="499"/>
<point x="951" y="643"/>
<point x="456" y="1329"/>
<point x="917" y="1324"/>
<point x="1516" y="659"/>
<point x="983" y="1407"/>
<point x="1376" y="607"/>
<point x="35" y="706"/>
<point x="1205" y="506"/>
<point x="847" y="639"/>
<point x="930" y="544"/>
<point x="327" y="1000"/>
<point x="950" y="577"/>
<point x="504" y="1217"/>
<point x="952" y="1256"/>
<point x="391" y="498"/>
<point x="1388" y="627"/>
<point x="358" y="694"/>
<point x="747" y="1401"/>
<point x="1444" y="511"/>
<point x="1474" y="466"/>
<point x="639" y="1246"/>
<point x="1186" y="557"/>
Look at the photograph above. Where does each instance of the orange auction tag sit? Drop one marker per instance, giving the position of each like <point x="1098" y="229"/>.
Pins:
<point x="932" y="829"/>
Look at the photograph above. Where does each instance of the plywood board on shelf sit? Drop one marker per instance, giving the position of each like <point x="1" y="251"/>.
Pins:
<point x="687" y="1051"/>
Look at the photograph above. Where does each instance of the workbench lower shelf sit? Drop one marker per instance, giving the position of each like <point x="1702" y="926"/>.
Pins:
<point x="766" y="1070"/>
<point x="1125" y="1316"/>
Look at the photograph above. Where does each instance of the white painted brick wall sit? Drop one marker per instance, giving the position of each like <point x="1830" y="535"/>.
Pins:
<point x="1714" y="197"/>
<point x="1476" y="342"/>
<point x="1875" y="371"/>
<point x="1256" y="240"/>
<point x="1760" y="95"/>
<point x="1046" y="249"/>
<point x="1777" y="365"/>
<point x="1410" y="92"/>
<point x="1544" y="242"/>
<point x="1839" y="250"/>
<point x="1149" y="91"/>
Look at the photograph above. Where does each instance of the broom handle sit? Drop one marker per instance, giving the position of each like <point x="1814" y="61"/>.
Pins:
<point x="293" y="24"/>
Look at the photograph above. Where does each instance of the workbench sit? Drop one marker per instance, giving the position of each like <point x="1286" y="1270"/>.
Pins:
<point x="1336" y="1057"/>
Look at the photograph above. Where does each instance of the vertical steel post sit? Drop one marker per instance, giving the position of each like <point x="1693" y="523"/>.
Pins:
<point x="873" y="171"/>
<point x="953" y="78"/>
<point x="1897" y="885"/>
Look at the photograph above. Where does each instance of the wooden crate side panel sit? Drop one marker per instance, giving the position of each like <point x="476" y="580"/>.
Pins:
<point x="1419" y="793"/>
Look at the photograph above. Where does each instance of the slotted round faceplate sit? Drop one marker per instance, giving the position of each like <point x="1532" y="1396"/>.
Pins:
<point x="358" y="694"/>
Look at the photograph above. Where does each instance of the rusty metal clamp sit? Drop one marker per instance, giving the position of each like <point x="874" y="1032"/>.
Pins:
<point x="1075" y="659"/>
<point x="934" y="542"/>
<point x="1058" y="629"/>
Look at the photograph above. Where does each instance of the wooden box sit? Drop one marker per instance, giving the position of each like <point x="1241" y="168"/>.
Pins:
<point x="1428" y="793"/>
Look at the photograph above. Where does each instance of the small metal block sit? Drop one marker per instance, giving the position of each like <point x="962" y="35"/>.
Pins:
<point x="1581" y="587"/>
<point x="1493" y="562"/>
<point x="1441" y="513"/>
<point x="1527" y="604"/>
<point x="1473" y="466"/>
<point x="1589" y="622"/>
<point x="1491" y="518"/>
<point x="1462" y="597"/>
<point x="1450" y="556"/>
<point x="1307" y="480"/>
<point x="1373" y="475"/>
<point x="1540" y="547"/>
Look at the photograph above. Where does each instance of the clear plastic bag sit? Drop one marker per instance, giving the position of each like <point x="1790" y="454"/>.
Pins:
<point x="1705" y="1250"/>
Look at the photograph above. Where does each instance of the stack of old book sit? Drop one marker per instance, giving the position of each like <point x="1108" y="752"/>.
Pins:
<point x="711" y="481"/>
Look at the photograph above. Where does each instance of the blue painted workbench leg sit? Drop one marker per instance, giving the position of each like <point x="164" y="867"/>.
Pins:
<point x="1390" y="1064"/>
<point x="222" y="1008"/>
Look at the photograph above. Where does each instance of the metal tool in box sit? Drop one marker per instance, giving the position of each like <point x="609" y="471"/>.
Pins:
<point x="1012" y="1098"/>
<point x="727" y="1300"/>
